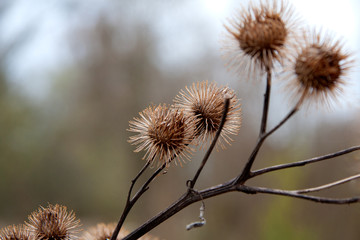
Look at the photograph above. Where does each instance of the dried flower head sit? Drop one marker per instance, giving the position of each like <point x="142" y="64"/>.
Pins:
<point x="318" y="69"/>
<point x="260" y="36"/>
<point x="14" y="232"/>
<point x="53" y="223"/>
<point x="104" y="231"/>
<point x="205" y="102"/>
<point x="164" y="133"/>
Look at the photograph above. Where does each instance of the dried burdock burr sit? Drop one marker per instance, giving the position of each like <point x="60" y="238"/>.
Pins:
<point x="205" y="102"/>
<point x="15" y="232"/>
<point x="260" y="36"/>
<point x="104" y="231"/>
<point x="319" y="69"/>
<point x="53" y="223"/>
<point x="164" y="133"/>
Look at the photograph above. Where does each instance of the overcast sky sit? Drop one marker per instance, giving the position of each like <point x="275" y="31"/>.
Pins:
<point x="51" y="21"/>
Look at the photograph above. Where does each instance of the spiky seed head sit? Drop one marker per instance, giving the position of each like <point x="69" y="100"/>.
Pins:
<point x="13" y="232"/>
<point x="104" y="231"/>
<point x="319" y="68"/>
<point x="164" y="133"/>
<point x="260" y="36"/>
<point x="53" y="223"/>
<point x="205" y="102"/>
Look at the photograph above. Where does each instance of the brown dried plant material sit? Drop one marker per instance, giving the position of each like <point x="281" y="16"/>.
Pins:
<point x="260" y="36"/>
<point x="318" y="70"/>
<point x="205" y="102"/>
<point x="14" y="232"/>
<point x="164" y="133"/>
<point x="104" y="231"/>
<point x="53" y="223"/>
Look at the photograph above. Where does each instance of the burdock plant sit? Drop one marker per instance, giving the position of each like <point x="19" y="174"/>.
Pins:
<point x="104" y="231"/>
<point x="204" y="102"/>
<point x="164" y="133"/>
<point x="319" y="69"/>
<point x="260" y="36"/>
<point x="54" y="222"/>
<point x="261" y="39"/>
<point x="15" y="232"/>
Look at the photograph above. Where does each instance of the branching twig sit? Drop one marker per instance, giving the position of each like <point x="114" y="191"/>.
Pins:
<point x="130" y="202"/>
<point x="246" y="172"/>
<point x="262" y="136"/>
<point x="286" y="118"/>
<point x="190" y="197"/>
<point x="147" y="164"/>
<point x="237" y="184"/>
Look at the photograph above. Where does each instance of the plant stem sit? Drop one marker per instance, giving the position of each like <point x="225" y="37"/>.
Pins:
<point x="191" y="197"/>
<point x="329" y="185"/>
<point x="246" y="172"/>
<point x="266" y="102"/>
<point x="305" y="162"/>
<point x="185" y="200"/>
<point x="130" y="202"/>
<point x="255" y="190"/>
<point x="213" y="143"/>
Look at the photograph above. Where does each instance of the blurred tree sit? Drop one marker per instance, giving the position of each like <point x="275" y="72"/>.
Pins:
<point x="17" y="126"/>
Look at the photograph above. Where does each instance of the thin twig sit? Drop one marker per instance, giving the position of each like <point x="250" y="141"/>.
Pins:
<point x="246" y="173"/>
<point x="247" y="169"/>
<point x="287" y="117"/>
<point x="136" y="178"/>
<point x="208" y="152"/>
<point x="305" y="162"/>
<point x="255" y="190"/>
<point x="130" y="203"/>
<point x="266" y="102"/>
<point x="329" y="185"/>
<point x="146" y="184"/>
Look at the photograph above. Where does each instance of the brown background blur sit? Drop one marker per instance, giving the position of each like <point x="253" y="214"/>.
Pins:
<point x="66" y="143"/>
